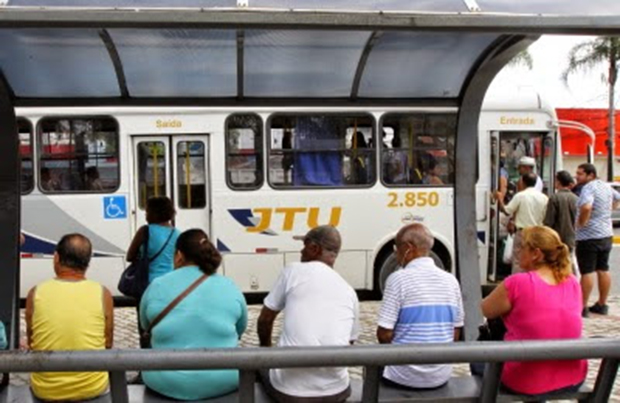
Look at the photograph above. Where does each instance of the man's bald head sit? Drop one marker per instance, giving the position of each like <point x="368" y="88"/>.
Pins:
<point x="74" y="251"/>
<point x="417" y="235"/>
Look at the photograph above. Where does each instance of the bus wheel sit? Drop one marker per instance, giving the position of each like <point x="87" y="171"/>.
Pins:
<point x="390" y="265"/>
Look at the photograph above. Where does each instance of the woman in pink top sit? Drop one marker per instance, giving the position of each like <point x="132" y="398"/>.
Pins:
<point x="542" y="303"/>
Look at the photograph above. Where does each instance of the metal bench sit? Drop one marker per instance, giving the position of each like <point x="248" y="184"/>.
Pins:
<point x="371" y="357"/>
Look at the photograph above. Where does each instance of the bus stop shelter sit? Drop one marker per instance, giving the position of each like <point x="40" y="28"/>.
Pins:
<point x="412" y="53"/>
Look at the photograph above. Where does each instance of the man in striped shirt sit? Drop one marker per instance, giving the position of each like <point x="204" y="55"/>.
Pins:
<point x="594" y="234"/>
<point x="421" y="304"/>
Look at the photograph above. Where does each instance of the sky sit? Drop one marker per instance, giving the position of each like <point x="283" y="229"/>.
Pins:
<point x="550" y="55"/>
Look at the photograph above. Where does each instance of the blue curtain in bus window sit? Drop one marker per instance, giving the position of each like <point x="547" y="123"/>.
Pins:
<point x="320" y="162"/>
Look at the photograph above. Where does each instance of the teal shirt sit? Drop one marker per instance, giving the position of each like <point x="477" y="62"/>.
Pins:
<point x="158" y="234"/>
<point x="214" y="315"/>
<point x="3" y="342"/>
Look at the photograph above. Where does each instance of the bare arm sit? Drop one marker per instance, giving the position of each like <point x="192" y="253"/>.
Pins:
<point x="384" y="335"/>
<point x="108" y="310"/>
<point x="457" y="333"/>
<point x="503" y="187"/>
<point x="136" y="242"/>
<point x="29" y="315"/>
<point x="499" y="197"/>
<point x="585" y="212"/>
<point x="497" y="303"/>
<point x="265" y="326"/>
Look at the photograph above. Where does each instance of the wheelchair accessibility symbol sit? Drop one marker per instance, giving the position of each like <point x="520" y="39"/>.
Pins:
<point x="114" y="207"/>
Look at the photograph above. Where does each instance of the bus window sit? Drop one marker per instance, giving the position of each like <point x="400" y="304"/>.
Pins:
<point x="25" y="152"/>
<point x="418" y="149"/>
<point x="78" y="155"/>
<point x="191" y="174"/>
<point x="151" y="171"/>
<point x="321" y="151"/>
<point x="244" y="152"/>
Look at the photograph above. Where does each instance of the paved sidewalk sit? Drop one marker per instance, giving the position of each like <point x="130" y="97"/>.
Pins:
<point x="125" y="334"/>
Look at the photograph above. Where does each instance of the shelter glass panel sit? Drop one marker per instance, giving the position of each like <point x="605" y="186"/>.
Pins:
<point x="192" y="187"/>
<point x="124" y="3"/>
<point x="151" y="171"/>
<point x="178" y="62"/>
<point x="301" y="63"/>
<point x="78" y="155"/>
<point x="417" y="5"/>
<point x="418" y="149"/>
<point x="309" y="151"/>
<point x="57" y="63"/>
<point x="24" y="128"/>
<point x="421" y="65"/>
<point x="244" y="152"/>
<point x="564" y="7"/>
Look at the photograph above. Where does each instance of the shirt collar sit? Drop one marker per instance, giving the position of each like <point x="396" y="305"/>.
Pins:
<point x="421" y="263"/>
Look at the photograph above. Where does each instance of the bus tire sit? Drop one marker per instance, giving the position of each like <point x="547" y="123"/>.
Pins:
<point x="389" y="266"/>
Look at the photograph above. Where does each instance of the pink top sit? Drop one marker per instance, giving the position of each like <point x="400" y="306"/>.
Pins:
<point x="543" y="311"/>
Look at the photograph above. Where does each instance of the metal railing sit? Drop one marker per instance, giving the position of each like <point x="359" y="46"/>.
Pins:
<point x="371" y="357"/>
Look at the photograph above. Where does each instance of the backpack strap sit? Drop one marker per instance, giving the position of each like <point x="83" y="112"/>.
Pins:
<point x="162" y="248"/>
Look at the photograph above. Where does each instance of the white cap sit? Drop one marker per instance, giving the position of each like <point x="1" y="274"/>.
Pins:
<point x="527" y="161"/>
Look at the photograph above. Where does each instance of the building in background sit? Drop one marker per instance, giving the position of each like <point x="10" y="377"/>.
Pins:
<point x="575" y="142"/>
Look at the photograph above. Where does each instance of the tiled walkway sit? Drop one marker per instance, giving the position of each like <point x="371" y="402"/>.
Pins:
<point x="125" y="334"/>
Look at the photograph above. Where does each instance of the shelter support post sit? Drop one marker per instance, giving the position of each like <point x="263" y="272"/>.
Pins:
<point x="466" y="239"/>
<point x="9" y="216"/>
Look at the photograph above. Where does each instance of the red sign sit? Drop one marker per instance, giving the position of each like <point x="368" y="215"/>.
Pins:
<point x="574" y="142"/>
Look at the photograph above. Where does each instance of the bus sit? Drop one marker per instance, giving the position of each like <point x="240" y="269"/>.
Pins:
<point x="254" y="177"/>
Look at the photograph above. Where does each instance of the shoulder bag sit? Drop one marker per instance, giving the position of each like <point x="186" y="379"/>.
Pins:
<point x="135" y="278"/>
<point x="146" y="336"/>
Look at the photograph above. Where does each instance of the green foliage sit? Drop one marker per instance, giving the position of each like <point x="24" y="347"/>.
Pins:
<point x="588" y="55"/>
<point x="523" y="58"/>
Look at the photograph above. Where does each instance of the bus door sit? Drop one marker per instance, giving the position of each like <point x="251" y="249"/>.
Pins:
<point x="507" y="148"/>
<point x="177" y="167"/>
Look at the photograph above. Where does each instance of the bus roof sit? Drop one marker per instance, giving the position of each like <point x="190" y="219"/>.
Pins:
<point x="513" y="97"/>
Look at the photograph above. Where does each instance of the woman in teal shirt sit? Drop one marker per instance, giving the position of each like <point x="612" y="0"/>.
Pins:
<point x="214" y="315"/>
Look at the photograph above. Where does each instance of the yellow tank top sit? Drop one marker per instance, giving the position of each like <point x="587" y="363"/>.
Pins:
<point x="68" y="315"/>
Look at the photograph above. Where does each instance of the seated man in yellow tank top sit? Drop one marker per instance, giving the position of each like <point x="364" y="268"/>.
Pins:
<point x="70" y="312"/>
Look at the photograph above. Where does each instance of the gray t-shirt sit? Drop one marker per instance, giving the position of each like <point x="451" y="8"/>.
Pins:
<point x="561" y="215"/>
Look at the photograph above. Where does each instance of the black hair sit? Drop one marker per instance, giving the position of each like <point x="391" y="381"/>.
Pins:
<point x="360" y="140"/>
<point x="159" y="210"/>
<point x="92" y="172"/>
<point x="529" y="179"/>
<point x="589" y="169"/>
<point x="195" y="245"/>
<point x="74" y="251"/>
<point x="565" y="178"/>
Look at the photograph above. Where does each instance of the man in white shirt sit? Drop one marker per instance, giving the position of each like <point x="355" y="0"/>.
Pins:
<point x="527" y="208"/>
<point x="527" y="165"/>
<point x="421" y="304"/>
<point x="321" y="309"/>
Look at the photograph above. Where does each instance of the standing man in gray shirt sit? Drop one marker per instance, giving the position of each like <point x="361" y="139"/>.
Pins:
<point x="562" y="209"/>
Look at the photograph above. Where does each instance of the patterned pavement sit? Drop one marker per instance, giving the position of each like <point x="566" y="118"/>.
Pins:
<point x="125" y="335"/>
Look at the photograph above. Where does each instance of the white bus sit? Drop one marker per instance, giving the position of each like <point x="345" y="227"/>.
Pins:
<point x="254" y="177"/>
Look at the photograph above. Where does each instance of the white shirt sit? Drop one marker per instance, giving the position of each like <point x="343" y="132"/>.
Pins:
<point x="422" y="304"/>
<point x="528" y="208"/>
<point x="539" y="184"/>
<point x="320" y="309"/>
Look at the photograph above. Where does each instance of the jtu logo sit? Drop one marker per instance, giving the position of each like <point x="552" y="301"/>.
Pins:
<point x="260" y="220"/>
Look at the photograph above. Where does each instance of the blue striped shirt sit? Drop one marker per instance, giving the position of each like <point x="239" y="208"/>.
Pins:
<point x="601" y="196"/>
<point x="422" y="304"/>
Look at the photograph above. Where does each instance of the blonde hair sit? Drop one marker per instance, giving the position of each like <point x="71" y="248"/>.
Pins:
<point x="555" y="253"/>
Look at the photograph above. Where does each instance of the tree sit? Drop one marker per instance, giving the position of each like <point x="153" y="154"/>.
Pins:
<point x="586" y="56"/>
<point x="523" y="58"/>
